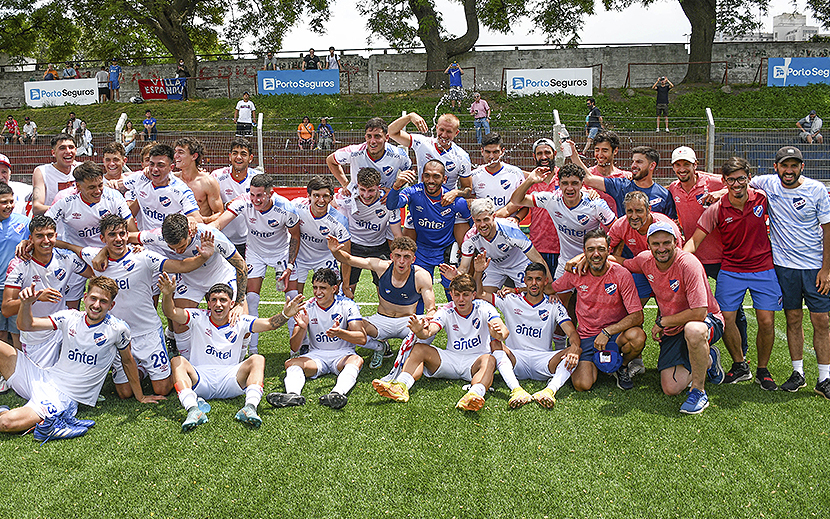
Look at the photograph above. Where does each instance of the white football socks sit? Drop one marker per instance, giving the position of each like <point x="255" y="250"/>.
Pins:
<point x="505" y="368"/>
<point x="253" y="394"/>
<point x="346" y="379"/>
<point x="253" y="309"/>
<point x="560" y="376"/>
<point x="294" y="379"/>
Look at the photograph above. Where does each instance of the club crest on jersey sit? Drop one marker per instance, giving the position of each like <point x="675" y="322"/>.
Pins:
<point x="504" y="183"/>
<point x="544" y="313"/>
<point x="610" y="288"/>
<point x="324" y="230"/>
<point x="103" y="212"/>
<point x="18" y="228"/>
<point x="503" y="247"/>
<point x="250" y="268"/>
<point x="129" y="265"/>
<point x="655" y="201"/>
<point x="100" y="339"/>
<point x="163" y="200"/>
<point x="336" y="319"/>
<point x="477" y="323"/>
<point x="272" y="223"/>
<point x="674" y="285"/>
<point x="386" y="170"/>
<point x="231" y="335"/>
<point x="758" y="211"/>
<point x="446" y="211"/>
<point x="582" y="219"/>
<point x="799" y="202"/>
<point x="449" y="165"/>
<point x="60" y="274"/>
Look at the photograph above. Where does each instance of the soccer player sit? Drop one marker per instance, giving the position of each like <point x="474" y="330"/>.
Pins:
<point x="643" y="165"/>
<point x="741" y="218"/>
<point x="503" y="242"/>
<point x="49" y="270"/>
<point x="376" y="153"/>
<point x="470" y="324"/>
<point x="273" y="238"/>
<point x="496" y="180"/>
<point x="334" y="326"/>
<point x="22" y="192"/>
<point x="434" y="222"/>
<point x="188" y="157"/>
<point x="402" y="285"/>
<point x="215" y="368"/>
<point x="115" y="158"/>
<point x="235" y="180"/>
<point x="799" y="215"/>
<point x="91" y="340"/>
<point x="371" y="225"/>
<point x="610" y="313"/>
<point x="532" y="318"/>
<point x="49" y="179"/>
<point x="606" y="146"/>
<point x="690" y="321"/>
<point x="157" y="193"/>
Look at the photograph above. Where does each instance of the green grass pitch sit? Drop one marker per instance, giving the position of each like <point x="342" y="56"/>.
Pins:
<point x="604" y="453"/>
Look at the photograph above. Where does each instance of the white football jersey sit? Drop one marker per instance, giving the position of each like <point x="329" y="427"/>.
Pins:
<point x="393" y="161"/>
<point x="137" y="274"/>
<point x="506" y="250"/>
<point x="531" y="326"/>
<point x="229" y="188"/>
<point x="22" y="197"/>
<point x="55" y="181"/>
<point x="369" y="224"/>
<point x="268" y="231"/>
<point x="86" y="353"/>
<point x="157" y="202"/>
<point x="498" y="186"/>
<point x="341" y="312"/>
<point x="456" y="160"/>
<point x="313" y="232"/>
<point x="80" y="220"/>
<point x="54" y="274"/>
<point x="470" y="333"/>
<point x="212" y="345"/>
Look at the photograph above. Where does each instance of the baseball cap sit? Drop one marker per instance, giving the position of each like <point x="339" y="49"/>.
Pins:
<point x="544" y="141"/>
<point x="609" y="360"/>
<point x="246" y="92"/>
<point x="788" y="152"/>
<point x="812" y="112"/>
<point x="5" y="160"/>
<point x="660" y="226"/>
<point x="683" y="153"/>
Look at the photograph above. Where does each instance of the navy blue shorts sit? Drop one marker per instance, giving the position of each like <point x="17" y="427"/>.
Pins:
<point x="675" y="352"/>
<point x="800" y="285"/>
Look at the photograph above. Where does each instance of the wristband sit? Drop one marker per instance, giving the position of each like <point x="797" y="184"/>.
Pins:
<point x="605" y="332"/>
<point x="659" y="322"/>
<point x="289" y="266"/>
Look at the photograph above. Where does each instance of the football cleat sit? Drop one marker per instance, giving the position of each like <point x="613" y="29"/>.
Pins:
<point x="195" y="417"/>
<point x="68" y="415"/>
<point x="393" y="389"/>
<point x="249" y="415"/>
<point x="545" y="398"/>
<point x="519" y="397"/>
<point x="285" y="399"/>
<point x="55" y="428"/>
<point x="334" y="400"/>
<point x="470" y="402"/>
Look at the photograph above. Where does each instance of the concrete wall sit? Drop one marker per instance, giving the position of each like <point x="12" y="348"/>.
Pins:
<point x="360" y="75"/>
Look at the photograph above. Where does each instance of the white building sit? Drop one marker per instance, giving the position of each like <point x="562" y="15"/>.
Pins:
<point x="792" y="27"/>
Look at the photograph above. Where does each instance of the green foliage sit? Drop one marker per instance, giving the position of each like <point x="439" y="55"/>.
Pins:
<point x="47" y="33"/>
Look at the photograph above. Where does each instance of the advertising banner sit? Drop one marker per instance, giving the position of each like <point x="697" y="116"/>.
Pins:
<point x="171" y="88"/>
<point x="574" y="81"/>
<point x="61" y="92"/>
<point x="270" y="82"/>
<point x="797" y="71"/>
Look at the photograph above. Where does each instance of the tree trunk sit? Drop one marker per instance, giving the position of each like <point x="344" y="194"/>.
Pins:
<point x="702" y="15"/>
<point x="438" y="50"/>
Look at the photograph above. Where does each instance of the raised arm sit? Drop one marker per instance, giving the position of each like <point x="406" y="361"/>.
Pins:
<point x="398" y="134"/>
<point x="275" y="321"/>
<point x="520" y="196"/>
<point x="206" y="250"/>
<point x="167" y="286"/>
<point x="25" y="320"/>
<point x="338" y="250"/>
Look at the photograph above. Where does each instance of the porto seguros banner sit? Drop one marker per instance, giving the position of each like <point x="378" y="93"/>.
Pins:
<point x="575" y="81"/>
<point x="270" y="82"/>
<point x="171" y="88"/>
<point x="61" y="92"/>
<point x="797" y="71"/>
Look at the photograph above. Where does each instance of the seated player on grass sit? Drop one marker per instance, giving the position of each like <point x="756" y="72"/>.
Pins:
<point x="470" y="324"/>
<point x="90" y="342"/>
<point x="333" y="325"/>
<point x="214" y="369"/>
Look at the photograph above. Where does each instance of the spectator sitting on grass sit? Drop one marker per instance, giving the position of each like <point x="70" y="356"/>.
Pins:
<point x="29" y="133"/>
<point x="325" y="134"/>
<point x="11" y="131"/>
<point x="84" y="139"/>
<point x="810" y="127"/>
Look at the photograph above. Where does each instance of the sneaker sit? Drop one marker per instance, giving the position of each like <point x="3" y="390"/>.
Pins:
<point x="388" y="353"/>
<point x="194" y="417"/>
<point x="636" y="367"/>
<point x="764" y="379"/>
<point x="794" y="383"/>
<point x="470" y="402"/>
<point x="545" y="398"/>
<point x="249" y="415"/>
<point x="715" y="371"/>
<point x="377" y="359"/>
<point x="203" y="405"/>
<point x="68" y="415"/>
<point x="623" y="379"/>
<point x="55" y="428"/>
<point x="4" y="386"/>
<point x="334" y="400"/>
<point x="303" y="350"/>
<point x="285" y="399"/>
<point x="657" y="130"/>
<point x="695" y="403"/>
<point x="393" y="389"/>
<point x="823" y="388"/>
<point x="739" y="372"/>
<point x="519" y="397"/>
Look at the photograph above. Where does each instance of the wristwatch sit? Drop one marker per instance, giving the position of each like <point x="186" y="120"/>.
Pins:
<point x="659" y="321"/>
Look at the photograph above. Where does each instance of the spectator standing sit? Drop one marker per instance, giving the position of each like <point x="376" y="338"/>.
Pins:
<point x="150" y="131"/>
<point x="84" y="139"/>
<point x="103" y="78"/>
<point x="312" y="62"/>
<point x="325" y="135"/>
<point x="182" y="72"/>
<point x="68" y="71"/>
<point x="455" y="72"/>
<point x="270" y="62"/>
<point x="11" y="131"/>
<point x="810" y="127"/>
<point x="78" y="70"/>
<point x="332" y="60"/>
<point x="593" y="123"/>
<point x="29" y="133"/>
<point x="128" y="135"/>
<point x="481" y="112"/>
<point x="662" y="85"/>
<point x="116" y="76"/>
<point x="244" y="115"/>
<point x="305" y="134"/>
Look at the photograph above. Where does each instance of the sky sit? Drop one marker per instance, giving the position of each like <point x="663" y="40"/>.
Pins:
<point x="648" y="25"/>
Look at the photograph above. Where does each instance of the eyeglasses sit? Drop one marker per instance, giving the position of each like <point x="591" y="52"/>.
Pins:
<point x="737" y="180"/>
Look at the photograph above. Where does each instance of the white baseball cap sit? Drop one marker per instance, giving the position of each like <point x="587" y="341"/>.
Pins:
<point x="5" y="160"/>
<point x="683" y="153"/>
